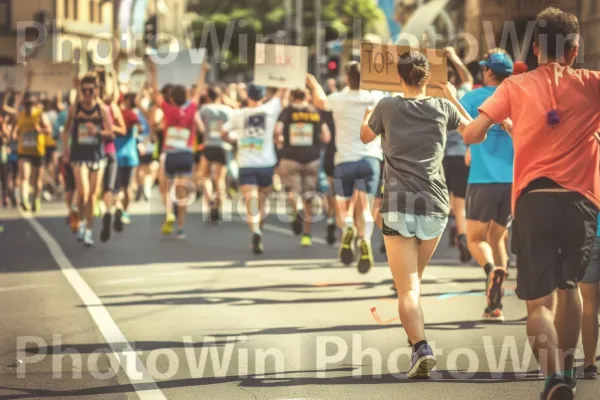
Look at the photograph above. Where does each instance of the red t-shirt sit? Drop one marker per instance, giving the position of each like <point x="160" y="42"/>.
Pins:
<point x="131" y="119"/>
<point x="568" y="152"/>
<point x="180" y="126"/>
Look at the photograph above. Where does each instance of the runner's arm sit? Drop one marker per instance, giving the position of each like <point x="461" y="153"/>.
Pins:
<point x="199" y="124"/>
<point x="201" y="84"/>
<point x="463" y="72"/>
<point x="153" y="80"/>
<point x="278" y="135"/>
<point x="325" y="133"/>
<point x="119" y="127"/>
<point x="318" y="94"/>
<point x="107" y="131"/>
<point x="8" y="109"/>
<point x="366" y="133"/>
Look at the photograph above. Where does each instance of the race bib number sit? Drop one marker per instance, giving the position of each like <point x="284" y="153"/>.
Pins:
<point x="301" y="134"/>
<point x="29" y="140"/>
<point x="149" y="147"/>
<point x="177" y="137"/>
<point x="85" y="136"/>
<point x="214" y="129"/>
<point x="254" y="134"/>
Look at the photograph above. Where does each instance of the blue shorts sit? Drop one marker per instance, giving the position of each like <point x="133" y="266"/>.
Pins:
<point x="360" y="175"/>
<point x="261" y="177"/>
<point x="423" y="227"/>
<point x="592" y="273"/>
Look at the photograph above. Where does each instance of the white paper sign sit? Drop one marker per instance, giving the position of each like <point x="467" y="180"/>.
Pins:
<point x="52" y="77"/>
<point x="136" y="81"/>
<point x="12" y="78"/>
<point x="281" y="66"/>
<point x="183" y="70"/>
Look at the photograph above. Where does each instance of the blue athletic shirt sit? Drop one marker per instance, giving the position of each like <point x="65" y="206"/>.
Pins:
<point x="127" y="153"/>
<point x="492" y="160"/>
<point x="598" y="228"/>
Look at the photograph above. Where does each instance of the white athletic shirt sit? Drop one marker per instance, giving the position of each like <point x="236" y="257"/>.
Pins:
<point x="254" y="129"/>
<point x="348" y="108"/>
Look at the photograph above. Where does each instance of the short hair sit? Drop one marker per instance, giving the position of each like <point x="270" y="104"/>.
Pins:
<point x="166" y="92"/>
<point x="298" y="95"/>
<point x="413" y="68"/>
<point x="90" y="79"/>
<point x="556" y="32"/>
<point x="179" y="95"/>
<point x="212" y="94"/>
<point x="353" y="74"/>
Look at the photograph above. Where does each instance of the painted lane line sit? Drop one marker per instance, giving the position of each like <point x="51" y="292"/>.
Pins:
<point x="142" y="382"/>
<point x="290" y="262"/>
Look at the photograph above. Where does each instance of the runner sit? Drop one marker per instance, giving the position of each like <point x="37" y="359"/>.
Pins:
<point x="490" y="182"/>
<point x="213" y="117"/>
<point x="590" y="293"/>
<point x="177" y="160"/>
<point x="415" y="204"/>
<point x="5" y="134"/>
<point x="328" y="165"/>
<point x="455" y="168"/>
<point x="299" y="133"/>
<point x="50" y="112"/>
<point x="32" y="129"/>
<point x="555" y="193"/>
<point x="109" y="94"/>
<point x="127" y="157"/>
<point x="88" y="124"/>
<point x="357" y="166"/>
<point x="146" y="171"/>
<point x="252" y="127"/>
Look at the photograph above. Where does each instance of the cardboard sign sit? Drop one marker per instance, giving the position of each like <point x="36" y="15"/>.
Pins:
<point x="52" y="77"/>
<point x="379" y="66"/>
<point x="12" y="78"/>
<point x="184" y="69"/>
<point x="281" y="66"/>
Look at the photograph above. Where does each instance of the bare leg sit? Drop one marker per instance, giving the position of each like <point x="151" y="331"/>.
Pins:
<point x="568" y="325"/>
<point x="542" y="334"/>
<point x="589" y="323"/>
<point x="95" y="183"/>
<point x="458" y="209"/>
<point x="496" y="238"/>
<point x="477" y="241"/>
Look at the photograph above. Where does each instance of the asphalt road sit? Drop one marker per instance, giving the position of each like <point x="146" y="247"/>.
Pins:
<point x="150" y="317"/>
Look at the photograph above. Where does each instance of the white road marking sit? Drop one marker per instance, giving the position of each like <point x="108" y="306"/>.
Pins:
<point x="143" y="383"/>
<point x="284" y="231"/>
<point x="123" y="281"/>
<point x="23" y="287"/>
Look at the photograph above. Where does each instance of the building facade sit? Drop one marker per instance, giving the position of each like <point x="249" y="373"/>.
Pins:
<point x="73" y="30"/>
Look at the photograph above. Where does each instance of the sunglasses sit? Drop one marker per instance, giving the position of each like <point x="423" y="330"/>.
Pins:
<point x="88" y="90"/>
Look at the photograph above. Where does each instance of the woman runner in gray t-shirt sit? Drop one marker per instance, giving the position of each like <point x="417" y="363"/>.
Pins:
<point x="415" y="208"/>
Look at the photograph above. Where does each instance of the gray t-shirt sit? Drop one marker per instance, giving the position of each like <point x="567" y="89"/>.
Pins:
<point x="214" y="116"/>
<point x="455" y="146"/>
<point x="413" y="136"/>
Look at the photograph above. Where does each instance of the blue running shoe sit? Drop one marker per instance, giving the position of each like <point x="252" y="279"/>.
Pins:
<point x="422" y="362"/>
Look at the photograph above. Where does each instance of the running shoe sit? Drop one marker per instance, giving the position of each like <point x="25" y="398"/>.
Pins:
<point x="88" y="239"/>
<point x="463" y="249"/>
<point x="495" y="290"/>
<point x="422" y="362"/>
<point x="105" y="232"/>
<point x="126" y="219"/>
<point x="26" y="205"/>
<point x="257" y="244"/>
<point x="331" y="229"/>
<point x="365" y="260"/>
<point x="590" y="372"/>
<point x="118" y="224"/>
<point x="37" y="204"/>
<point x="306" y="241"/>
<point x="138" y="195"/>
<point x="80" y="232"/>
<point x="180" y="234"/>
<point x="493" y="315"/>
<point x="558" y="389"/>
<point x="297" y="225"/>
<point x="347" y="246"/>
<point x="73" y="220"/>
<point x="214" y="214"/>
<point x="167" y="228"/>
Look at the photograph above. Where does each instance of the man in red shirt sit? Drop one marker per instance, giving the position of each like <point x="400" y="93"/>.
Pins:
<point x="556" y="191"/>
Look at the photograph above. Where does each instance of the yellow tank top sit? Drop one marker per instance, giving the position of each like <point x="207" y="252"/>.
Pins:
<point x="31" y="143"/>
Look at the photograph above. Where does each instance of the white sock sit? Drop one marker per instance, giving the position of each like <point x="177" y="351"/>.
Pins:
<point x="330" y="221"/>
<point x="349" y="222"/>
<point x="369" y="225"/>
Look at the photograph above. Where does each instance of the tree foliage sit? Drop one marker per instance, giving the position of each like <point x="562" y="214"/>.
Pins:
<point x="229" y="29"/>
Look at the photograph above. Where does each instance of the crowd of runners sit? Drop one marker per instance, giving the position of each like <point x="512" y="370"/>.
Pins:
<point x="502" y="144"/>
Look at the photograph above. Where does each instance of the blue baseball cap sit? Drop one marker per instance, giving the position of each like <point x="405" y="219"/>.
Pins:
<point x="256" y="92"/>
<point x="501" y="63"/>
